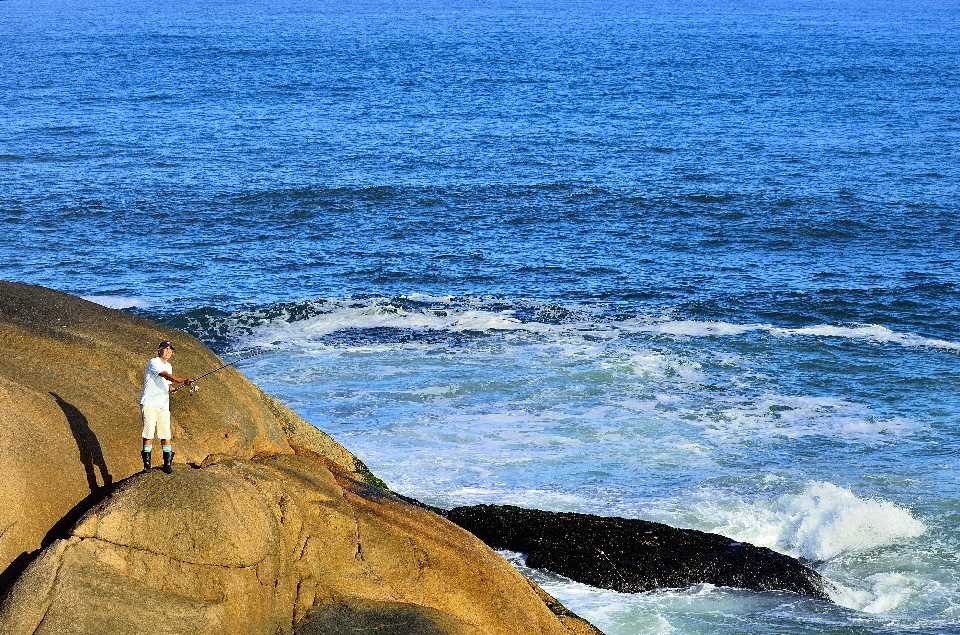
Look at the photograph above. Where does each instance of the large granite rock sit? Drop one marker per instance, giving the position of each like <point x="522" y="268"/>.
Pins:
<point x="631" y="555"/>
<point x="70" y="378"/>
<point x="277" y="544"/>
<point x="267" y="525"/>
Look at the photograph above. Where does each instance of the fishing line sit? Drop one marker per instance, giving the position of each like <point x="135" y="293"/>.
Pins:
<point x="194" y="388"/>
<point x="623" y="579"/>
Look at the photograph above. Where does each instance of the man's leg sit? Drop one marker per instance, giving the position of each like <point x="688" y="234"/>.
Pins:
<point x="149" y="426"/>
<point x="167" y="456"/>
<point x="163" y="431"/>
<point x="147" y="454"/>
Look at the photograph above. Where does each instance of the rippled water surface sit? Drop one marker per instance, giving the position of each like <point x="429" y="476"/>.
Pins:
<point x="687" y="261"/>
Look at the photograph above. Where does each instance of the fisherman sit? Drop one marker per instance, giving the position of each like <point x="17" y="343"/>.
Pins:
<point x="155" y="405"/>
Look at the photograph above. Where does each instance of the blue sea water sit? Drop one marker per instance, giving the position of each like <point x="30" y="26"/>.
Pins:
<point x="694" y="262"/>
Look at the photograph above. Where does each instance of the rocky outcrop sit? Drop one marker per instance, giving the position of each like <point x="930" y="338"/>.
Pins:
<point x="70" y="376"/>
<point x="266" y="526"/>
<point x="278" y="544"/>
<point x="630" y="555"/>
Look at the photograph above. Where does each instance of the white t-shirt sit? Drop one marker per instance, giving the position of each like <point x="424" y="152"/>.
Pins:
<point x="156" y="389"/>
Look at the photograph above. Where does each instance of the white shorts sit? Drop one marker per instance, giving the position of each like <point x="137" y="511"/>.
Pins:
<point x="155" y="420"/>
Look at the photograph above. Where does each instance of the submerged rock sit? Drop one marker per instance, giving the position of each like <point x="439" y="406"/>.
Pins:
<point x="630" y="555"/>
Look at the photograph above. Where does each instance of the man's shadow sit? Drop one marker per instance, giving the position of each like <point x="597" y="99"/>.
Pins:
<point x="91" y="454"/>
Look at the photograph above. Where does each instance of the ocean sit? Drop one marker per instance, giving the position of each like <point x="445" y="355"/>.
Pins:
<point x="687" y="261"/>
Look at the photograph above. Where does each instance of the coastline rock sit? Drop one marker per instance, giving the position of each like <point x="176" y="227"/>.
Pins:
<point x="266" y="526"/>
<point x="279" y="544"/>
<point x="630" y="555"/>
<point x="70" y="378"/>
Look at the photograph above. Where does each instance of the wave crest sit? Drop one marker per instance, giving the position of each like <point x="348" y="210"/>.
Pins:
<point x="820" y="523"/>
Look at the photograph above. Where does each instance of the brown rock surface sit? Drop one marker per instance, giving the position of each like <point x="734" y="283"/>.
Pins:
<point x="70" y="379"/>
<point x="270" y="530"/>
<point x="266" y="546"/>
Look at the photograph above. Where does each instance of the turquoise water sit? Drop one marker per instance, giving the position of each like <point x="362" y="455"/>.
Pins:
<point x="690" y="262"/>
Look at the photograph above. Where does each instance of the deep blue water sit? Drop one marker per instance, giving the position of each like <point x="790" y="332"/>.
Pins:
<point x="690" y="261"/>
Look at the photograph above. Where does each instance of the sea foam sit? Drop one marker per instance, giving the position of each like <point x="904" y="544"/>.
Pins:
<point x="330" y="316"/>
<point x="430" y="313"/>
<point x="827" y="525"/>
<point x="826" y="520"/>
<point x="866" y="332"/>
<point x="314" y="320"/>
<point x="118" y="302"/>
<point x="821" y="522"/>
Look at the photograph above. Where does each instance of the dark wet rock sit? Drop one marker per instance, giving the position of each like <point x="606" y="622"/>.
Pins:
<point x="630" y="555"/>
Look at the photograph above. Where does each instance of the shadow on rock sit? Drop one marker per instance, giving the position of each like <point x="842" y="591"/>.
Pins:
<point x="59" y="531"/>
<point x="13" y="571"/>
<point x="383" y="618"/>
<point x="91" y="453"/>
<point x="630" y="555"/>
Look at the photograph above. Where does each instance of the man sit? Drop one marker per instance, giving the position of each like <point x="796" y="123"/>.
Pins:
<point x="155" y="405"/>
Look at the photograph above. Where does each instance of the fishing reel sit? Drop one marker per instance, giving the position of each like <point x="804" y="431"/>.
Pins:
<point x="193" y="389"/>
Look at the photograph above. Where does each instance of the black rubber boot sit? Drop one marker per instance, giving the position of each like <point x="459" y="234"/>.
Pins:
<point x="146" y="460"/>
<point x="168" y="462"/>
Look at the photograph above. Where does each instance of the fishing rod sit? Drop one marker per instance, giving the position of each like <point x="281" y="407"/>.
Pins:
<point x="194" y="388"/>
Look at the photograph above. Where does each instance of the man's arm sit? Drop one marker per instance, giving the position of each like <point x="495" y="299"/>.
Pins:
<point x="175" y="379"/>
